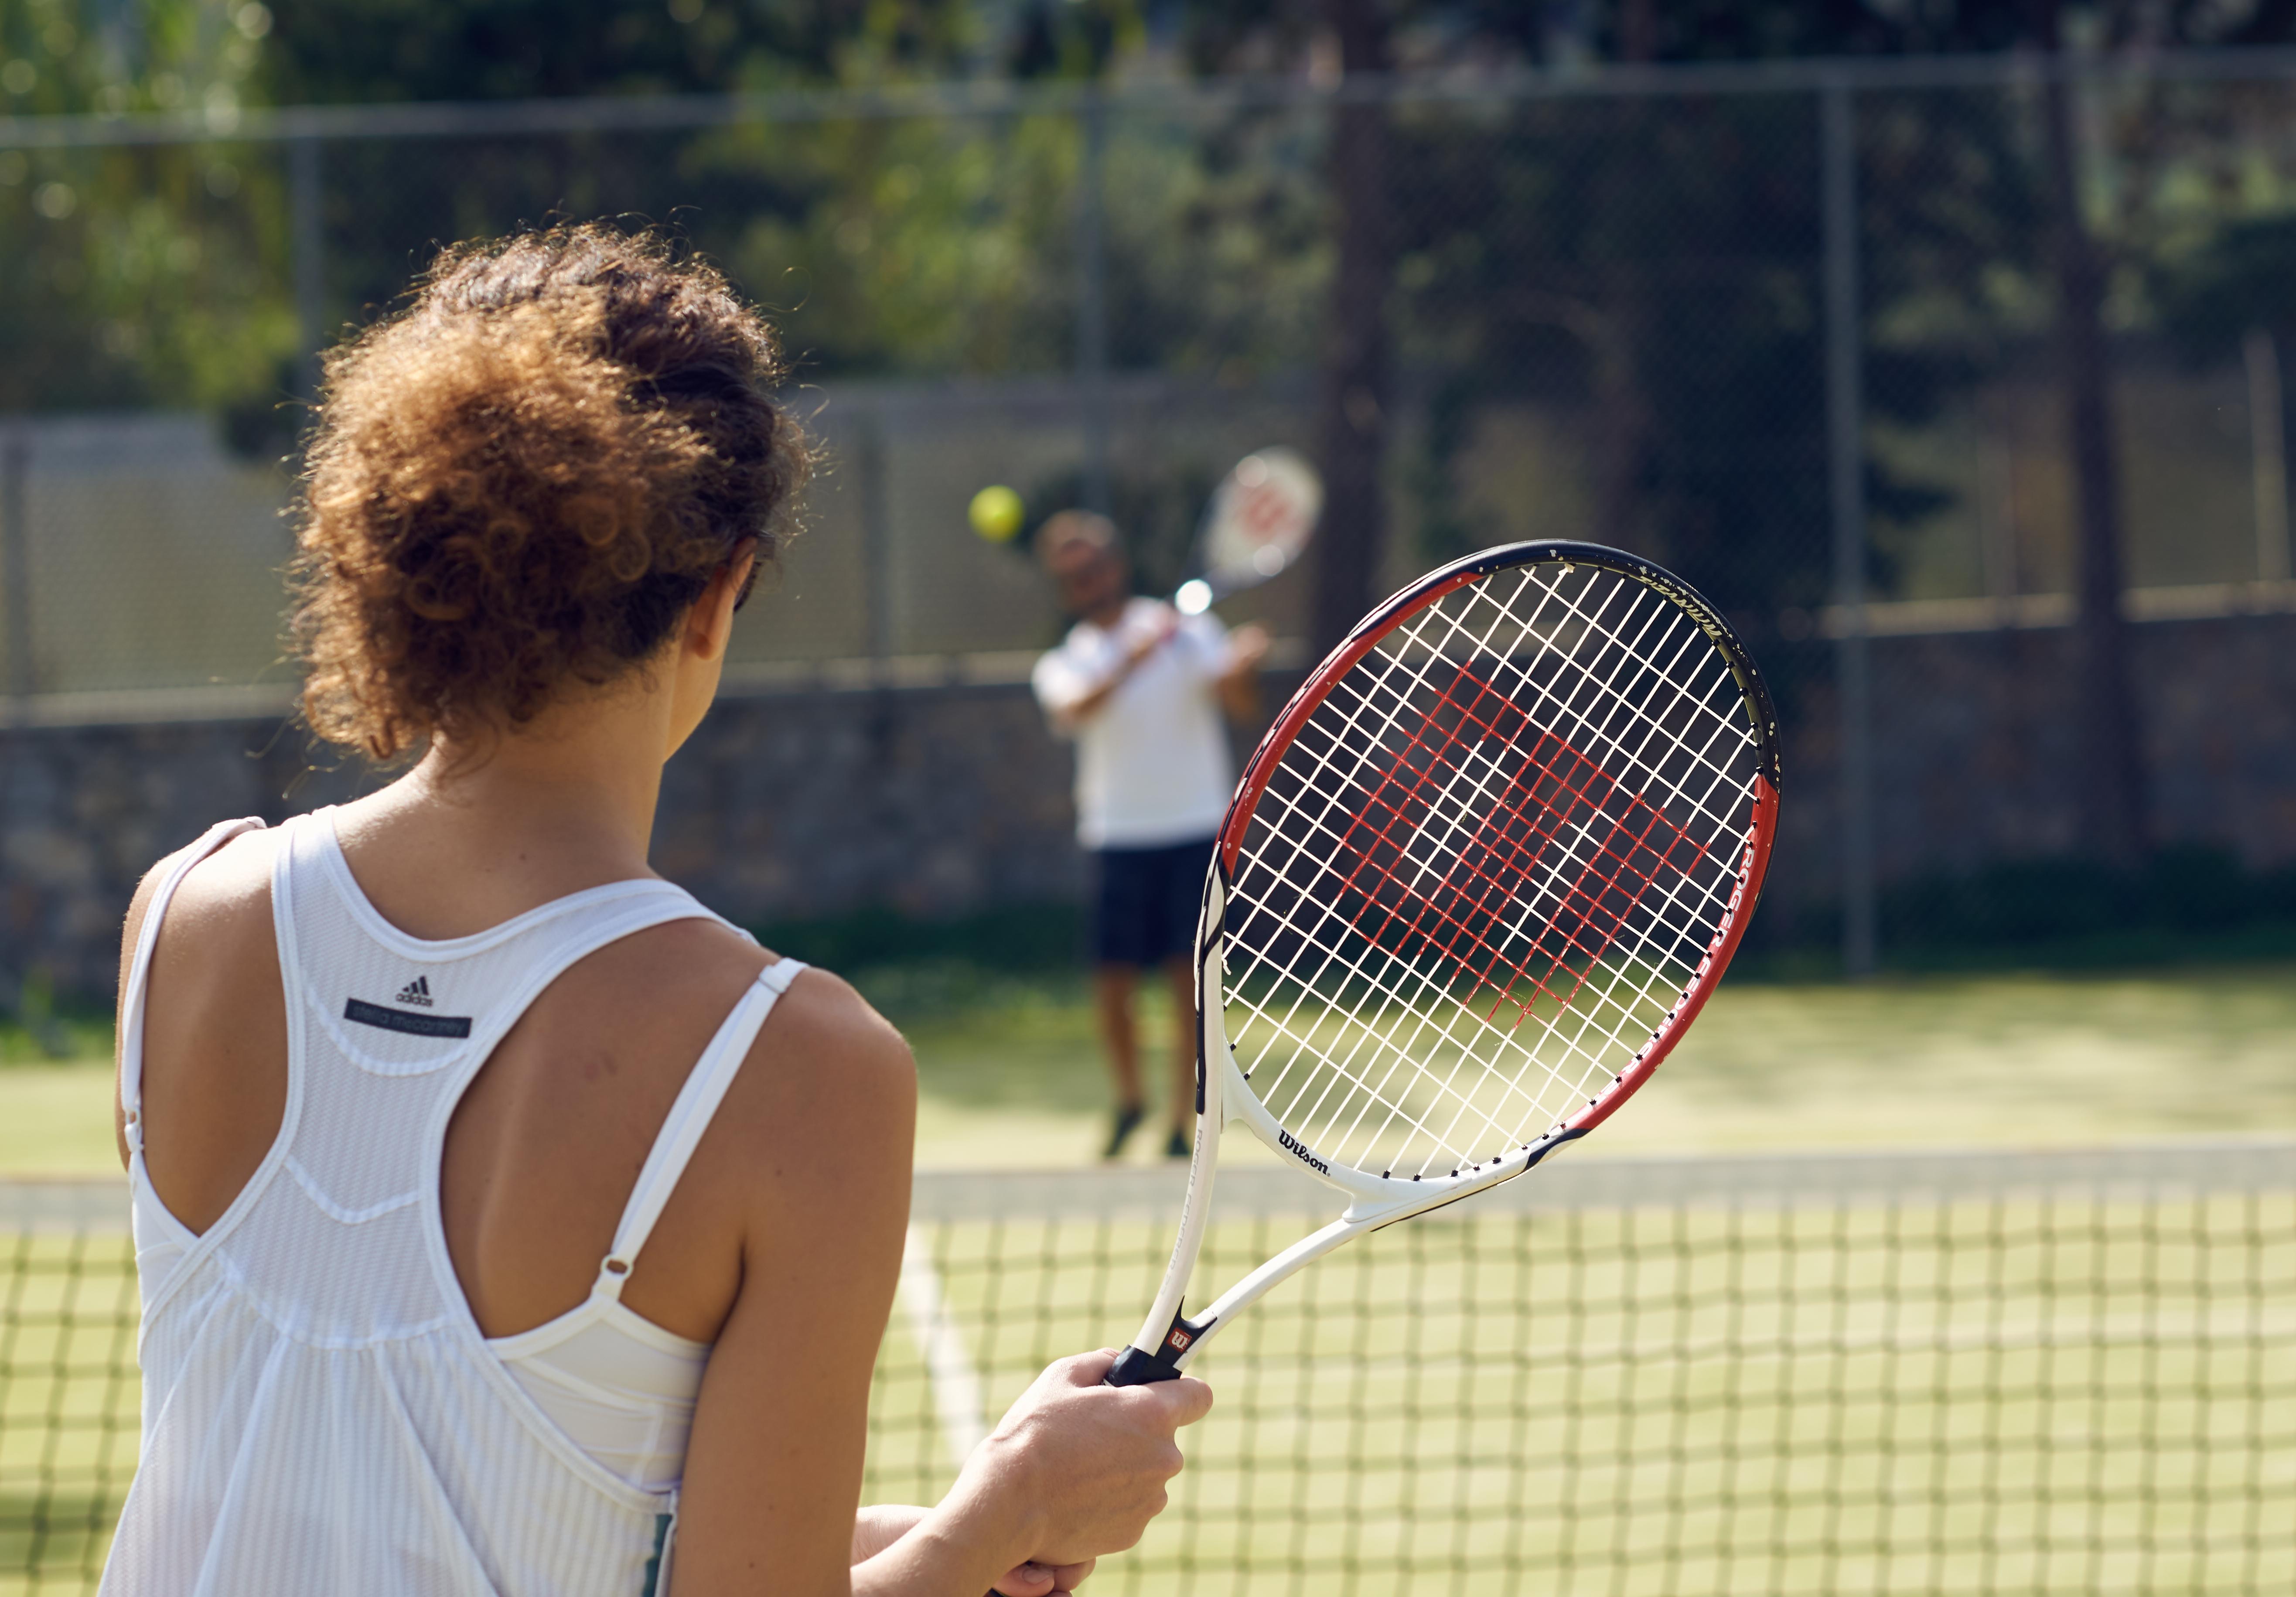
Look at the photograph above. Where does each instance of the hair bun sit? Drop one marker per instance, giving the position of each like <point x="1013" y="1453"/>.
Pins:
<point x="520" y="483"/>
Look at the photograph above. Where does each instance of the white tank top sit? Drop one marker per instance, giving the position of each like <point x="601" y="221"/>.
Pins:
<point x="320" y="1410"/>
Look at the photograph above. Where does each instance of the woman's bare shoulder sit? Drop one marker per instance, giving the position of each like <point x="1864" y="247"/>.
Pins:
<point x="822" y="1037"/>
<point x="226" y="896"/>
<point x="827" y="1052"/>
<point x="827" y="1096"/>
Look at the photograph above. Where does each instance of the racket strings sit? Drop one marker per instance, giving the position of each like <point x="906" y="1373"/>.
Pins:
<point x="1486" y="870"/>
<point x="1388" y="721"/>
<point x="1418" y="1038"/>
<point x="1448" y="1084"/>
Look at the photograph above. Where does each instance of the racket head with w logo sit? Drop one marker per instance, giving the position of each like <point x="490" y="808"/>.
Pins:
<point x="1478" y="880"/>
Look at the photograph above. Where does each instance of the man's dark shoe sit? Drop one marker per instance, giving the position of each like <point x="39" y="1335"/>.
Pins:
<point x="1128" y="1121"/>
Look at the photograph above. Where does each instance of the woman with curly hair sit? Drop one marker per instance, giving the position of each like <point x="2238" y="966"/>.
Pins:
<point x="506" y="1222"/>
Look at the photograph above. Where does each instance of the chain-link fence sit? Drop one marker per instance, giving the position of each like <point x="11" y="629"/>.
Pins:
<point x="1798" y="331"/>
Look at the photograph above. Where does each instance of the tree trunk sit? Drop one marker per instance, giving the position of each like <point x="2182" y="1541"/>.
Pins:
<point x="1637" y="30"/>
<point x="2110" y="774"/>
<point x="1353" y="407"/>
<point x="1623" y="420"/>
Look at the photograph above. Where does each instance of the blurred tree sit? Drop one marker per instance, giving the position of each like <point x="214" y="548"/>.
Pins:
<point x="135" y="276"/>
<point x="1660" y="271"/>
<point x="159" y="276"/>
<point x="2112" y="786"/>
<point x="362" y="52"/>
<point x="1653" y="266"/>
<point x="2244" y="276"/>
<point x="1356" y="397"/>
<point x="868" y="236"/>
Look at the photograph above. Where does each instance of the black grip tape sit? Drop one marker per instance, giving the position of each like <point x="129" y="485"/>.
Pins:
<point x="1134" y="1368"/>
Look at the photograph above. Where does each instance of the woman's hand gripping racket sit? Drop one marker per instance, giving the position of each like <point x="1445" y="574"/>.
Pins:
<point x="1478" y="880"/>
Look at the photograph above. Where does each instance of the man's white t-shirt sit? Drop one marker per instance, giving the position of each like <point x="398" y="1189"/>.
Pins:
<point x="1153" y="761"/>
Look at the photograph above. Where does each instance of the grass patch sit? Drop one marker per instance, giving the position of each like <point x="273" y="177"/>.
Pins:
<point x="68" y="1406"/>
<point x="1030" y="938"/>
<point x="1010" y="1076"/>
<point x="1014" y="1077"/>
<point x="2022" y="1396"/>
<point x="56" y="1040"/>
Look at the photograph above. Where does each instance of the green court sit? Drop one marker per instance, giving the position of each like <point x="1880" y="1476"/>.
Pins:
<point x="1877" y="1395"/>
<point x="1010" y="1074"/>
<point x="1646" y="1370"/>
<point x="1998" y="1373"/>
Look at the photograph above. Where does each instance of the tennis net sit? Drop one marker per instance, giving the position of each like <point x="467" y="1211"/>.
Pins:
<point x="1892" y="1373"/>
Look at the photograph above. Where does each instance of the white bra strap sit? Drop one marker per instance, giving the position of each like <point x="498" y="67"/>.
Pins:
<point x="139" y="969"/>
<point x="681" y="1133"/>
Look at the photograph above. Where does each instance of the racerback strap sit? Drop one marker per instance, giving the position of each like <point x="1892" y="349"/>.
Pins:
<point x="689" y="1117"/>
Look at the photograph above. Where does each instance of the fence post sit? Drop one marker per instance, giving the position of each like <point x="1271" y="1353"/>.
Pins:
<point x="2268" y="449"/>
<point x="16" y="558"/>
<point x="1092" y="299"/>
<point x="877" y="542"/>
<point x="1845" y="473"/>
<point x="307" y="243"/>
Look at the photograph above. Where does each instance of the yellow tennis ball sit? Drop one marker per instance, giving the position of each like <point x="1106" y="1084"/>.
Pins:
<point x="997" y="514"/>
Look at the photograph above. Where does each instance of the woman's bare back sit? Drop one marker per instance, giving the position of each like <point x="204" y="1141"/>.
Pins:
<point x="547" y="1144"/>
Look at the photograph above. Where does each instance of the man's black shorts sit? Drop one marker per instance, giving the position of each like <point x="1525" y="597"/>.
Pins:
<point x="1144" y="908"/>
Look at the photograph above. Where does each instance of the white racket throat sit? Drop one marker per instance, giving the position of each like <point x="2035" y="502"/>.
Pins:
<point x="1168" y="1338"/>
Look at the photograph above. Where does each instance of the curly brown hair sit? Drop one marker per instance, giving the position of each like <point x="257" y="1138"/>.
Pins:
<point x="523" y="480"/>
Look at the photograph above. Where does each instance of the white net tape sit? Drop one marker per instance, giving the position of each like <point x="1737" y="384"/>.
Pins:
<point x="1487" y="869"/>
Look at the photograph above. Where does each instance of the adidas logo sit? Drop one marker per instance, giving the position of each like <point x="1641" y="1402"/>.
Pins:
<point x="416" y="992"/>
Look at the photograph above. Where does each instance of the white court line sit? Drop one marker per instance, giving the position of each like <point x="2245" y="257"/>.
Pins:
<point x="941" y="1344"/>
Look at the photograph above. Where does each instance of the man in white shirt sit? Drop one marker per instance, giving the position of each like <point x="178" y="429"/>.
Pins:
<point x="1141" y="690"/>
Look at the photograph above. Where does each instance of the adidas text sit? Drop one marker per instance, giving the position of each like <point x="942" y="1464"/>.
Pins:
<point x="415" y="992"/>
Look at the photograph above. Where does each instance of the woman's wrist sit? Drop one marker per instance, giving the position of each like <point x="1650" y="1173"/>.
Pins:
<point x="940" y="1553"/>
<point x="984" y="1527"/>
<point x="879" y="1526"/>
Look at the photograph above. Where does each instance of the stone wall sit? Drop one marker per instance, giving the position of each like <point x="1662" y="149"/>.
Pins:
<point x="1976" y="756"/>
<point x="943" y="800"/>
<point x="932" y="802"/>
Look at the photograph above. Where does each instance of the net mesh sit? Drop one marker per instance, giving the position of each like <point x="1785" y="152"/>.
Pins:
<point x="1486" y="870"/>
<point x="1962" y="1383"/>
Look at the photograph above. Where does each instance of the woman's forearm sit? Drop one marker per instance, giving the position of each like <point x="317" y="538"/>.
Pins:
<point x="942" y="1554"/>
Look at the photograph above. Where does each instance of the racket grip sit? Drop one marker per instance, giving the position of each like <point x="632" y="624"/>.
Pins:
<point x="1134" y="1368"/>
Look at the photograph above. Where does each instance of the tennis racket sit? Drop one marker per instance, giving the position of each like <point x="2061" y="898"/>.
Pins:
<point x="1258" y="523"/>
<point x="1477" y="881"/>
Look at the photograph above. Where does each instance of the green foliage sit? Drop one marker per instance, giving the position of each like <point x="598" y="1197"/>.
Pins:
<point x="2244" y="276"/>
<point x="2185" y="889"/>
<point x="356" y="51"/>
<point x="160" y="277"/>
<point x="1647" y="268"/>
<point x="138" y="276"/>
<point x="1658" y="275"/>
<point x="2189" y="904"/>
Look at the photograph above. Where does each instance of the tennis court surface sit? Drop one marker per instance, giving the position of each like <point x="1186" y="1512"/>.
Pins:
<point x="1796" y="1374"/>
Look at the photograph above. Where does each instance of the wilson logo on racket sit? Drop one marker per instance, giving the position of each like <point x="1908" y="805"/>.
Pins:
<point x="1292" y="1145"/>
<point x="1499" y="856"/>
